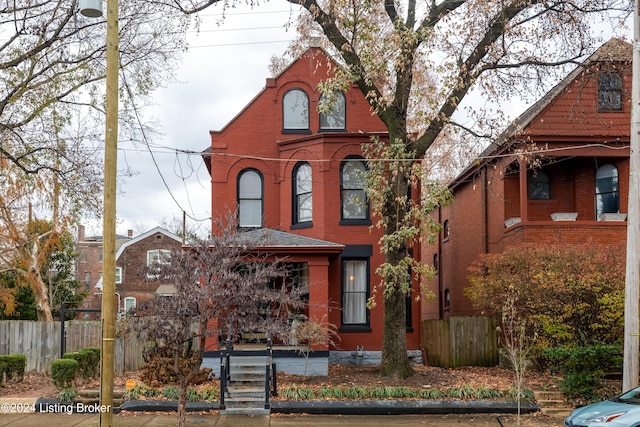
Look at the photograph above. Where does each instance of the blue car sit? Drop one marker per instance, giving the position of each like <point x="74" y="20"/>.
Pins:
<point x="620" y="411"/>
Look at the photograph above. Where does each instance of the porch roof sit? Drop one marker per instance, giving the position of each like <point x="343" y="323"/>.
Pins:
<point x="278" y="240"/>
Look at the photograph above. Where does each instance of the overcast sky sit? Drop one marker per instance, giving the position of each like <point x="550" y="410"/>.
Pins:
<point x="225" y="67"/>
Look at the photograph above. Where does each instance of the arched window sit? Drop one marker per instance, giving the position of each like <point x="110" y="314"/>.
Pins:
<point x="250" y="199"/>
<point x="335" y="118"/>
<point x="446" y="231"/>
<point x="539" y="186"/>
<point x="302" y="200"/>
<point x="295" y="110"/>
<point x="607" y="190"/>
<point x="353" y="197"/>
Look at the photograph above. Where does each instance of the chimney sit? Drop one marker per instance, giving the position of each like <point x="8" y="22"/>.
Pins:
<point x="130" y="233"/>
<point x="81" y="233"/>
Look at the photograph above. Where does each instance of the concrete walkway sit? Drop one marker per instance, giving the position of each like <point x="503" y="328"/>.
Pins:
<point x="137" y="420"/>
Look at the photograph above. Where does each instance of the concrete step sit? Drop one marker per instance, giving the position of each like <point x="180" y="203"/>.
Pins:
<point x="548" y="395"/>
<point x="556" y="412"/>
<point x="96" y="393"/>
<point x="245" y="411"/>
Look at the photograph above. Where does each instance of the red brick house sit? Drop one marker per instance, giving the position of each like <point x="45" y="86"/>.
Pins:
<point x="134" y="283"/>
<point x="570" y="187"/>
<point x="295" y="174"/>
<point x="89" y="269"/>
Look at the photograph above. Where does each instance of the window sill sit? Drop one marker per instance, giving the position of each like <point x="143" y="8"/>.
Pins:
<point x="347" y="329"/>
<point x="296" y="131"/>
<point x="355" y="222"/>
<point x="301" y="225"/>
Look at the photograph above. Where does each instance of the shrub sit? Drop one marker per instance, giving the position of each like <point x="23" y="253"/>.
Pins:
<point x="140" y="390"/>
<point x="159" y="371"/>
<point x="583" y="367"/>
<point x="67" y="395"/>
<point x="170" y="392"/>
<point x="12" y="364"/>
<point x="88" y="361"/>
<point x="63" y="372"/>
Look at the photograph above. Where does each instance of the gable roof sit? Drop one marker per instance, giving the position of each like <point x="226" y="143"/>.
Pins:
<point x="137" y="239"/>
<point x="144" y="236"/>
<point x="615" y="50"/>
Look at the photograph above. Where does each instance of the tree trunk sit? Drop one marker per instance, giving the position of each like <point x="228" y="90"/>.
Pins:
<point x="41" y="295"/>
<point x="395" y="362"/>
<point x="182" y="404"/>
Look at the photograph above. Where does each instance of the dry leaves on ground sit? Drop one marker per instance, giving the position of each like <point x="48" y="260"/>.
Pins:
<point x="40" y="385"/>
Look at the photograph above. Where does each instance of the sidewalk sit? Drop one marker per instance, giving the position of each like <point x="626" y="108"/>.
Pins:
<point x="134" y="420"/>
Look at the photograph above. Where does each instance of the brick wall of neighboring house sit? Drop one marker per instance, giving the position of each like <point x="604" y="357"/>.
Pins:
<point x="132" y="260"/>
<point x="578" y="138"/>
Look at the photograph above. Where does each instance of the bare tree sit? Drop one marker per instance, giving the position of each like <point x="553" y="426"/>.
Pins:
<point x="52" y="67"/>
<point x="224" y="287"/>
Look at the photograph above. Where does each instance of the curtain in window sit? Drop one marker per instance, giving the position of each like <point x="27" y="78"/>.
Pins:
<point x="355" y="292"/>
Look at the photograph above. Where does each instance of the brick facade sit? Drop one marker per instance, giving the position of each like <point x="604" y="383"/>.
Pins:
<point x="492" y="208"/>
<point x="255" y="139"/>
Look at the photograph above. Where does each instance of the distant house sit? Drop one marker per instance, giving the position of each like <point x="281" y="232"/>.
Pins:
<point x="134" y="255"/>
<point x="558" y="174"/>
<point x="89" y="268"/>
<point x="296" y="175"/>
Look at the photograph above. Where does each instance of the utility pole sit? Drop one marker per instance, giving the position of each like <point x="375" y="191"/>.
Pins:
<point x="107" y="365"/>
<point x="630" y="371"/>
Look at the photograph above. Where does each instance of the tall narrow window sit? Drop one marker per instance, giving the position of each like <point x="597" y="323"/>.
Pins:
<point x="250" y="199"/>
<point x="295" y="110"/>
<point x="539" y="186"/>
<point x="610" y="91"/>
<point x="302" y="200"/>
<point x="335" y="117"/>
<point x="355" y="291"/>
<point x="355" y="205"/>
<point x="607" y="190"/>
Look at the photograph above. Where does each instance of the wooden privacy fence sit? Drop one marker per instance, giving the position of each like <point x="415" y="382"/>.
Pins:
<point x="461" y="341"/>
<point x="40" y="343"/>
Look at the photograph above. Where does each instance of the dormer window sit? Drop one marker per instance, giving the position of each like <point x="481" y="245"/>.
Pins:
<point x="295" y="112"/>
<point x="610" y="91"/>
<point x="335" y="117"/>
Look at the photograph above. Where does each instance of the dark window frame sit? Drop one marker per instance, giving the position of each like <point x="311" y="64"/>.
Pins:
<point x="342" y="96"/>
<point x="353" y="221"/>
<point x="538" y="185"/>
<point x="610" y="91"/>
<point x="295" y="203"/>
<point x="291" y="129"/>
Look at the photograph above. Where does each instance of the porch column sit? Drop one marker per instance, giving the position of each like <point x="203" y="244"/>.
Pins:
<point x="319" y="294"/>
<point x="524" y="191"/>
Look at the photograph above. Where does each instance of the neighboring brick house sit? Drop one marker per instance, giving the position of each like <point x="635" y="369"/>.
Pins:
<point x="296" y="175"/>
<point x="89" y="268"/>
<point x="134" y="283"/>
<point x="577" y="192"/>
